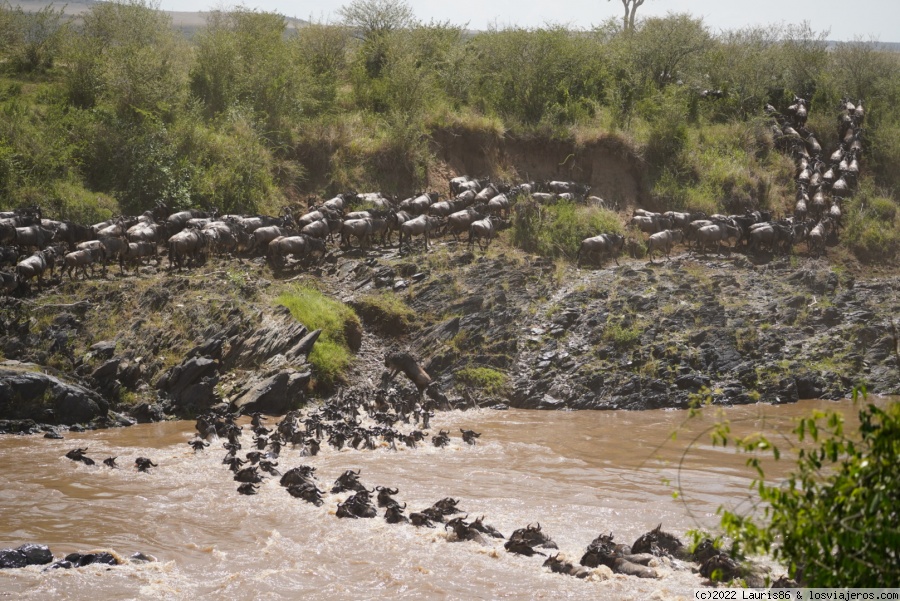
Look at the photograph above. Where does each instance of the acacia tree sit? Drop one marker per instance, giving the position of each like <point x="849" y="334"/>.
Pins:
<point x="631" y="7"/>
<point x="373" y="22"/>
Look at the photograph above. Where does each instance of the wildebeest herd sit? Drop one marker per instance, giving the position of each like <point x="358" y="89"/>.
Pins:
<point x="381" y="421"/>
<point x="34" y="247"/>
<point x="821" y="189"/>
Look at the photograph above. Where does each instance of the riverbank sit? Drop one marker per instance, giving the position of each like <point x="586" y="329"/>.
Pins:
<point x="494" y="327"/>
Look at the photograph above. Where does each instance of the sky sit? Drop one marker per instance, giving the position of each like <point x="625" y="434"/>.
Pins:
<point x="867" y="20"/>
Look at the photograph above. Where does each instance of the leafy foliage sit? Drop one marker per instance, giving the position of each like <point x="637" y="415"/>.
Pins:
<point x="834" y="521"/>
<point x="557" y="230"/>
<point x="251" y="114"/>
<point x="486" y="379"/>
<point x="31" y="40"/>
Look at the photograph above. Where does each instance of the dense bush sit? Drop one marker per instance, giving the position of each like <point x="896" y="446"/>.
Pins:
<point x="248" y="114"/>
<point x="486" y="379"/>
<point x="834" y="521"/>
<point x="557" y="230"/>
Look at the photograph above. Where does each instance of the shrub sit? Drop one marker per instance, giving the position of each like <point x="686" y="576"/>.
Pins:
<point x="620" y="335"/>
<point x="868" y="233"/>
<point x="884" y="209"/>
<point x="330" y="356"/>
<point x="834" y="518"/>
<point x="557" y="230"/>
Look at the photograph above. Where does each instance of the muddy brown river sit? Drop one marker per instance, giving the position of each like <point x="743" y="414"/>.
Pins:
<point x="577" y="473"/>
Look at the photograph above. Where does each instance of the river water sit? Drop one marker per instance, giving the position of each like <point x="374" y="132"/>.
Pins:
<point x="577" y="473"/>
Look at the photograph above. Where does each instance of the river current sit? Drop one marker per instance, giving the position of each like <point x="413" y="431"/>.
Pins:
<point x="578" y="474"/>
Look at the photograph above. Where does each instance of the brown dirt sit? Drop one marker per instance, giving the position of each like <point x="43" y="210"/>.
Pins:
<point x="607" y="164"/>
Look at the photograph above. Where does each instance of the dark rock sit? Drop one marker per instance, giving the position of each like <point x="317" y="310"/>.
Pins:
<point x="284" y="336"/>
<point x="12" y="558"/>
<point x="186" y="374"/>
<point x="831" y="316"/>
<point x="275" y="395"/>
<point x="26" y="555"/>
<point x="693" y="382"/>
<point x="103" y="350"/>
<point x="107" y="371"/>
<point x="80" y="560"/>
<point x="29" y="394"/>
<point x="211" y="348"/>
<point x="146" y="413"/>
<point x="809" y="386"/>
<point x="36" y="554"/>
<point x="139" y="557"/>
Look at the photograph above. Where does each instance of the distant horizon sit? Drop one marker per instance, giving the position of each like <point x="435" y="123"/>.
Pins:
<point x="878" y="22"/>
<point x="823" y="16"/>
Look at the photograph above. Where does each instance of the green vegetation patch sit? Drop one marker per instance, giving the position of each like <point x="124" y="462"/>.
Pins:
<point x="620" y="335"/>
<point x="331" y="355"/>
<point x="557" y="230"/>
<point x="385" y="312"/>
<point x="486" y="379"/>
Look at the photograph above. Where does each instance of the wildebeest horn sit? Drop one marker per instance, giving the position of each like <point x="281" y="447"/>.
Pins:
<point x="379" y="488"/>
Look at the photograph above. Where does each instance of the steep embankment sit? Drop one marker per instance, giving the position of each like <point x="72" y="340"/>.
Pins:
<point x="608" y="164"/>
<point x="494" y="327"/>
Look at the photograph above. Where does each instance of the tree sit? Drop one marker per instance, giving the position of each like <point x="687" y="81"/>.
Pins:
<point x="128" y="54"/>
<point x="32" y="39"/>
<point x="631" y="7"/>
<point x="373" y="22"/>
<point x="834" y="521"/>
<point x="373" y="18"/>
<point x="243" y="60"/>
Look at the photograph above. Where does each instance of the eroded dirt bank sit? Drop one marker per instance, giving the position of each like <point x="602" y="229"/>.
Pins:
<point x="633" y="336"/>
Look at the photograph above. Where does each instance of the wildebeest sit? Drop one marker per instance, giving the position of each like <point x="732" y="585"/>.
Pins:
<point x="135" y="253"/>
<point x="35" y="266"/>
<point x="598" y="246"/>
<point x="716" y="233"/>
<point x="663" y="241"/>
<point x="459" y="222"/>
<point x="81" y="259"/>
<point x="143" y="464"/>
<point x="186" y="245"/>
<point x="33" y="236"/>
<point x="422" y="225"/>
<point x="483" y="229"/>
<point x="300" y="247"/>
<point x="361" y="229"/>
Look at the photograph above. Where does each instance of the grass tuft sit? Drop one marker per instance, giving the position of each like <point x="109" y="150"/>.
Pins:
<point x="331" y="356"/>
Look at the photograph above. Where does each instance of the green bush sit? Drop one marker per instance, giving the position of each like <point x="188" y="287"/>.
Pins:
<point x="330" y="356"/>
<point x="557" y="230"/>
<point x="884" y="209"/>
<point x="870" y="229"/>
<point x="620" y="335"/>
<point x="834" y="520"/>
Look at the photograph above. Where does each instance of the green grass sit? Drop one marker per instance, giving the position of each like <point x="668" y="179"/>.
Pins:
<point x="386" y="311"/>
<point x="620" y="335"/>
<point x="557" y="230"/>
<point x="330" y="356"/>
<point x="486" y="379"/>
